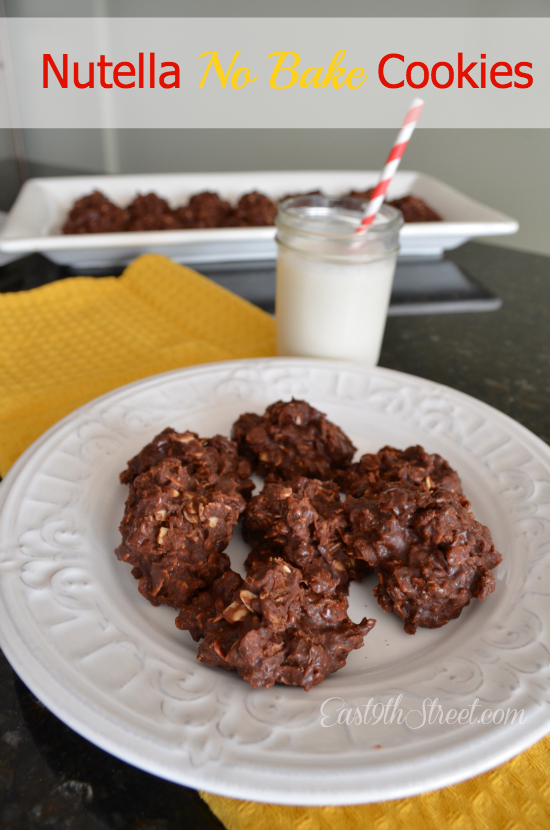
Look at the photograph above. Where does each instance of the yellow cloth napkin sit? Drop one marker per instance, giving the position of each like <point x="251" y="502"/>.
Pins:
<point x="515" y="796"/>
<point x="68" y="342"/>
<point x="65" y="343"/>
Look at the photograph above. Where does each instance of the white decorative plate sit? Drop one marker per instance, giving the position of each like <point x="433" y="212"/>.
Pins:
<point x="118" y="671"/>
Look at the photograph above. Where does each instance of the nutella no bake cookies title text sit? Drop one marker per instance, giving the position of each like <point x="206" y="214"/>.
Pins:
<point x="394" y="71"/>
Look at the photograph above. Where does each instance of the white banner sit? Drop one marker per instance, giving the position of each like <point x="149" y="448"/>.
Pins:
<point x="277" y="72"/>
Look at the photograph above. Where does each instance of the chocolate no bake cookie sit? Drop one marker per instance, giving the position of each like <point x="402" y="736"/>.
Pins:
<point x="413" y="466"/>
<point x="301" y="195"/>
<point x="175" y="529"/>
<point x="95" y="213"/>
<point x="253" y="210"/>
<point x="293" y="439"/>
<point x="204" y="210"/>
<point x="274" y="630"/>
<point x="207" y="459"/>
<point x="412" y="208"/>
<point x="415" y="209"/>
<point x="148" y="212"/>
<point x="302" y="520"/>
<point x="431" y="555"/>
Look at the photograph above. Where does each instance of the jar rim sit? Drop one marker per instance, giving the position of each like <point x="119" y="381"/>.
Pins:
<point x="293" y="214"/>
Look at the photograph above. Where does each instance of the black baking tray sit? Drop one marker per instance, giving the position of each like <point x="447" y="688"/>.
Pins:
<point x="431" y="286"/>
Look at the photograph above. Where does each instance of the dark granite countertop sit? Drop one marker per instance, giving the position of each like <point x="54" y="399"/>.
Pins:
<point x="50" y="777"/>
<point x="501" y="357"/>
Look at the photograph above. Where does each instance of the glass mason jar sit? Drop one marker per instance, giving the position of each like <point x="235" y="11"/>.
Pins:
<point x="333" y="284"/>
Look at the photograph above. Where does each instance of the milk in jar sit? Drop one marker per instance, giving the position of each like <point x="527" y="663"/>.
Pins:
<point x="333" y="284"/>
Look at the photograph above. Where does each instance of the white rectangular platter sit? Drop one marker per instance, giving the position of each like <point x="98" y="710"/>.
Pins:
<point x="35" y="220"/>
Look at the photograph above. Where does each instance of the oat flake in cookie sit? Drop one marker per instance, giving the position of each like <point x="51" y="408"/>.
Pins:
<point x="293" y="439"/>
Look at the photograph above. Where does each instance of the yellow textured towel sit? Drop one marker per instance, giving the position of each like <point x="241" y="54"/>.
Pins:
<point x="66" y="343"/>
<point x="515" y="796"/>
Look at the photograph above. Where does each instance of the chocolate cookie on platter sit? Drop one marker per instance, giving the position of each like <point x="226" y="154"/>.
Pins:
<point x="253" y="210"/>
<point x="204" y="210"/>
<point x="300" y="195"/>
<point x="415" y="209"/>
<point x="95" y="213"/>
<point x="148" y="212"/>
<point x="412" y="208"/>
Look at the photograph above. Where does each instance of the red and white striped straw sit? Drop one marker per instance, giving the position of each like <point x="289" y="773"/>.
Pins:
<point x="392" y="164"/>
